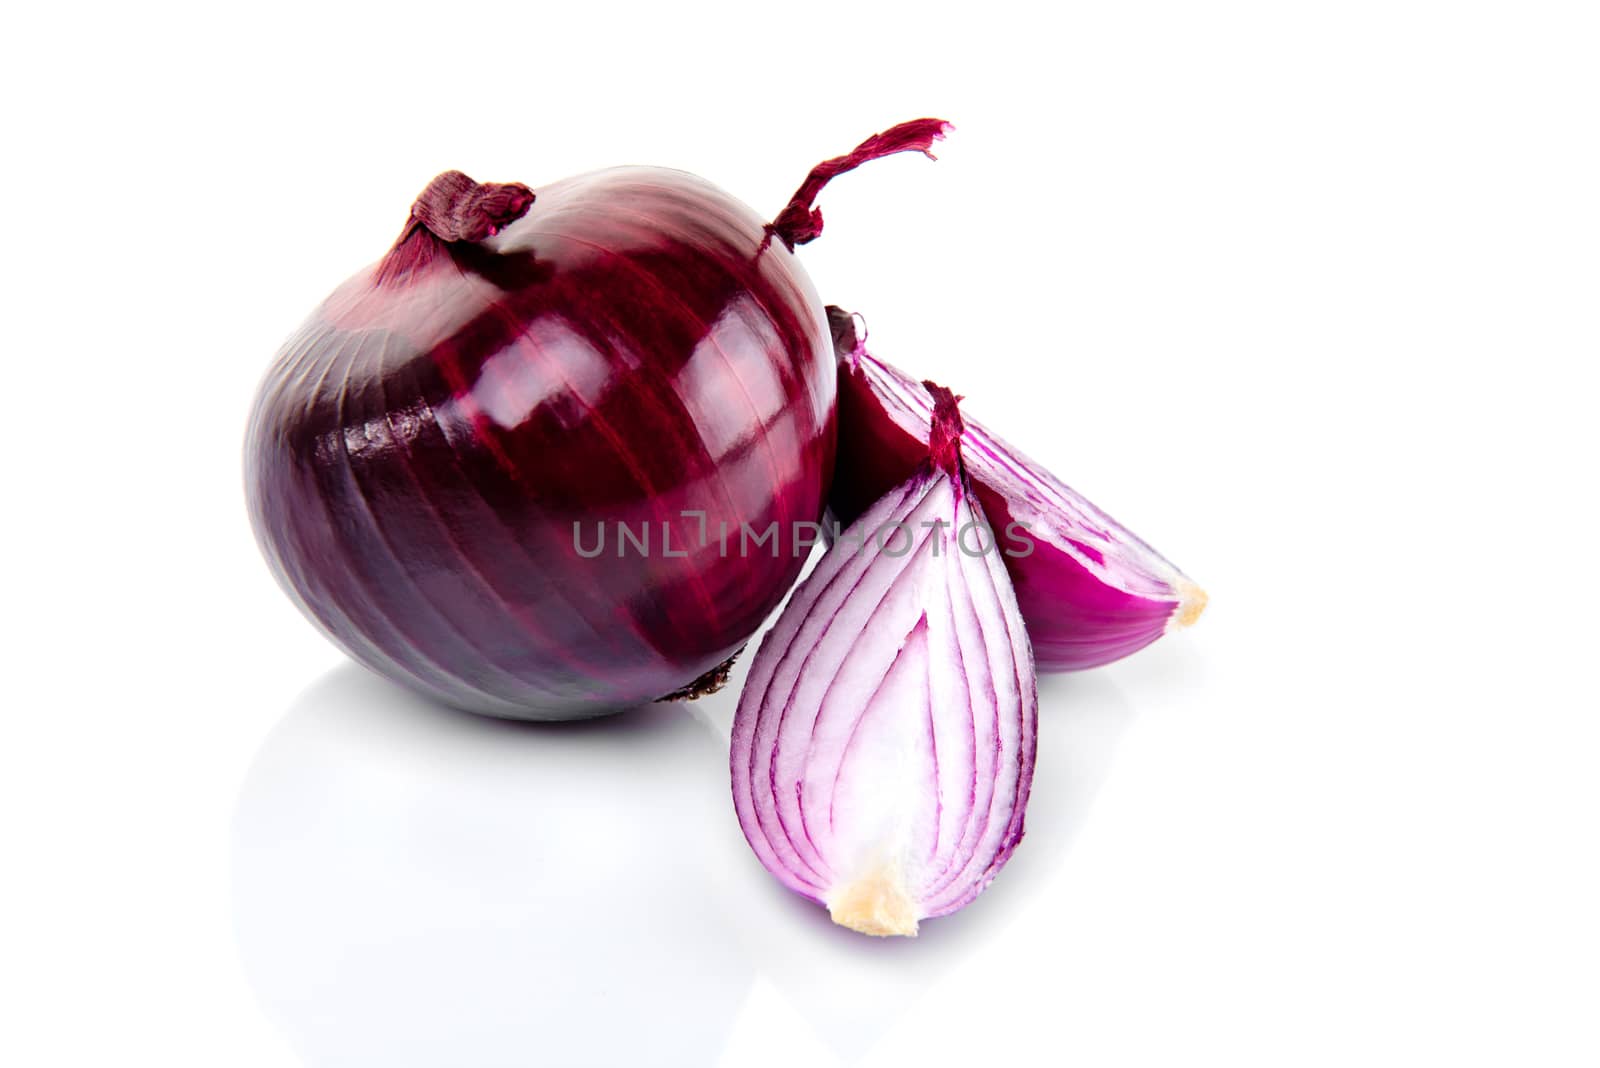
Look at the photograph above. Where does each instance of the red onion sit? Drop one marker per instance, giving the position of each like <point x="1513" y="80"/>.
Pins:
<point x="628" y="352"/>
<point x="1091" y="591"/>
<point x="883" y="746"/>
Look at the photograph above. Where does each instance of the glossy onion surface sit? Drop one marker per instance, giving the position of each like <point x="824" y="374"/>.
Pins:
<point x="427" y="456"/>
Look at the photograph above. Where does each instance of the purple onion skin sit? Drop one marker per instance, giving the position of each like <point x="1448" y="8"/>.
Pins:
<point x="1075" y="620"/>
<point x="634" y="347"/>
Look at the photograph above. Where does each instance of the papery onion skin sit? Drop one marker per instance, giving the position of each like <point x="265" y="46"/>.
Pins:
<point x="1079" y="615"/>
<point x="884" y="744"/>
<point x="633" y="347"/>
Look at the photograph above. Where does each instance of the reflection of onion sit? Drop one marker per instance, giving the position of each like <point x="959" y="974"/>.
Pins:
<point x="417" y="887"/>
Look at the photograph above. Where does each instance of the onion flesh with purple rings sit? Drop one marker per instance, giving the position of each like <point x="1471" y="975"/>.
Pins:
<point x="884" y="743"/>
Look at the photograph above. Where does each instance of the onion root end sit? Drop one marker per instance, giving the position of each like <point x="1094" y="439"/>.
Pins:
<point x="876" y="904"/>
<point x="1192" y="601"/>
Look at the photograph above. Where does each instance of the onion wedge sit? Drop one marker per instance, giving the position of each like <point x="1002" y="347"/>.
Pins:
<point x="884" y="742"/>
<point x="1091" y="590"/>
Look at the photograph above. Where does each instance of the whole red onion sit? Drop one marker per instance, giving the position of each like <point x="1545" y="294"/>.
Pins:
<point x="434" y="455"/>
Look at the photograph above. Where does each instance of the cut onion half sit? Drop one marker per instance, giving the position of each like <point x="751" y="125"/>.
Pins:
<point x="884" y="742"/>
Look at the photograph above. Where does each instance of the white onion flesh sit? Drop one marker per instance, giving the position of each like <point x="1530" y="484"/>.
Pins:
<point x="884" y="743"/>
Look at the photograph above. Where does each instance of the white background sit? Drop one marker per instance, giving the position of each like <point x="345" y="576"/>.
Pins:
<point x="1305" y="294"/>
